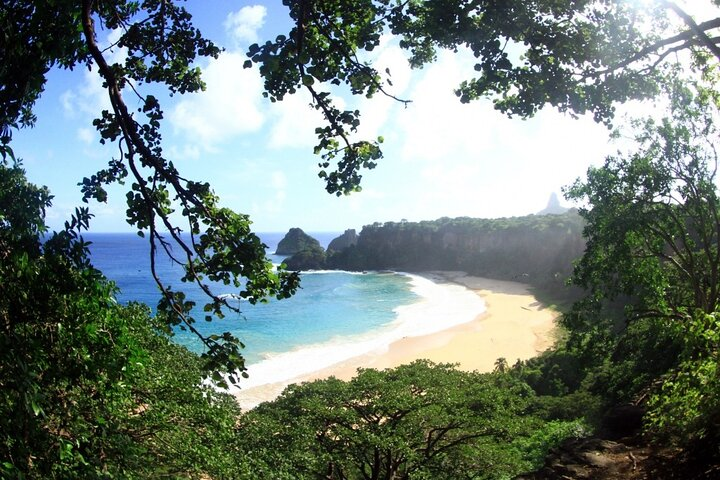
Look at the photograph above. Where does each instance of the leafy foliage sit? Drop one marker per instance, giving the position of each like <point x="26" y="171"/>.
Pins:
<point x="577" y="56"/>
<point x="295" y="241"/>
<point x="91" y="389"/>
<point x="648" y="327"/>
<point x="655" y="213"/>
<point x="416" y="421"/>
<point x="161" y="46"/>
<point x="688" y="405"/>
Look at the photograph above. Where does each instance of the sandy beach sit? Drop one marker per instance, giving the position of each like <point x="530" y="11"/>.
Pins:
<point x="514" y="326"/>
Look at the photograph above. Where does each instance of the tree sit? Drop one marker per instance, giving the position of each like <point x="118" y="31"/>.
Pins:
<point x="576" y="56"/>
<point x="89" y="388"/>
<point x="162" y="45"/>
<point x="501" y="365"/>
<point x="653" y="215"/>
<point x="653" y="227"/>
<point x="415" y="421"/>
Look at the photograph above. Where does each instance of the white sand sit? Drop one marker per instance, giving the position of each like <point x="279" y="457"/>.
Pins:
<point x="514" y="326"/>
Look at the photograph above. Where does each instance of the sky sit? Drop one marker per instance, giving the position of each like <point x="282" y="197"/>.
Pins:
<point x="442" y="158"/>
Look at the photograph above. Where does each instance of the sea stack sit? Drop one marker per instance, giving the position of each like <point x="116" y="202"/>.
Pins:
<point x="295" y="241"/>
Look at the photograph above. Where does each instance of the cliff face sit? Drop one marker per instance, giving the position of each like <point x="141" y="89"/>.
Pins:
<point x="532" y="248"/>
<point x="295" y="241"/>
<point x="347" y="239"/>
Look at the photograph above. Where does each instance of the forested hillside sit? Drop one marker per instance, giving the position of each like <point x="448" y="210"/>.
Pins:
<point x="531" y="249"/>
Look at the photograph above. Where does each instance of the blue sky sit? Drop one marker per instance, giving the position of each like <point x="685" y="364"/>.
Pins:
<point x="442" y="158"/>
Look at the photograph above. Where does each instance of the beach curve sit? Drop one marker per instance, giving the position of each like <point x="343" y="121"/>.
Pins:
<point x="512" y="325"/>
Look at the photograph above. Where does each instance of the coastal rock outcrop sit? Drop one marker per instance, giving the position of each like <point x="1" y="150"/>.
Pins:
<point x="311" y="258"/>
<point x="296" y="241"/>
<point x="346" y="240"/>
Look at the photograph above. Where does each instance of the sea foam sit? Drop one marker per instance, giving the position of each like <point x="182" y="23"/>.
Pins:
<point x="440" y="306"/>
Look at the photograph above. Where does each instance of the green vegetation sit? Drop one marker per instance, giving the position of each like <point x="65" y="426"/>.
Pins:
<point x="162" y="45"/>
<point x="653" y="224"/>
<point x="347" y="239"/>
<point x="532" y="249"/>
<point x="576" y="56"/>
<point x="309" y="258"/>
<point x="305" y="252"/>
<point x="92" y="389"/>
<point x="416" y="421"/>
<point x="536" y="249"/>
<point x="648" y="326"/>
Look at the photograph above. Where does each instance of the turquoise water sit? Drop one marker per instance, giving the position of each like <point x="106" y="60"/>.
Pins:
<point x="329" y="305"/>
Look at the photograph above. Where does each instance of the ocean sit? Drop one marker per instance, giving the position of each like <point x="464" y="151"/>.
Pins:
<point x="334" y="315"/>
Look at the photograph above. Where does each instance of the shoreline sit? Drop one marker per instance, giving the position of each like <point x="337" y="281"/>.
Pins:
<point x="514" y="325"/>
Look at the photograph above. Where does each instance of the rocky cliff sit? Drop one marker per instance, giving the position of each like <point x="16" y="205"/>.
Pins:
<point x="346" y="240"/>
<point x="532" y="249"/>
<point x="296" y="241"/>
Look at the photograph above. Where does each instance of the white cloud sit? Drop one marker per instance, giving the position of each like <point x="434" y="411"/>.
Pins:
<point x="87" y="135"/>
<point x="376" y="111"/>
<point x="184" y="152"/>
<point x="244" y="24"/>
<point x="273" y="205"/>
<point x="230" y="105"/>
<point x="469" y="159"/>
<point x="278" y="180"/>
<point x="294" y="122"/>
<point x="87" y="99"/>
<point x="116" y="54"/>
<point x="90" y="98"/>
<point x="393" y="59"/>
<point x="68" y="100"/>
<point x="436" y="124"/>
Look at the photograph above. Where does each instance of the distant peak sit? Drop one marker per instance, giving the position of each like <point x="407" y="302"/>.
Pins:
<point x="553" y="206"/>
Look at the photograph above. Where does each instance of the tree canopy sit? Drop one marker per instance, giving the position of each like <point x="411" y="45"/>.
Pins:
<point x="648" y="327"/>
<point x="416" y="421"/>
<point x="162" y="44"/>
<point x="655" y="214"/>
<point x="577" y="56"/>
<point x="91" y="389"/>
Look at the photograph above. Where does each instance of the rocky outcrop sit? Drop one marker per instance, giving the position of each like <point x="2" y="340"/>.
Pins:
<point x="627" y="459"/>
<point x="296" y="241"/>
<point x="346" y="240"/>
<point x="553" y="206"/>
<point x="312" y="258"/>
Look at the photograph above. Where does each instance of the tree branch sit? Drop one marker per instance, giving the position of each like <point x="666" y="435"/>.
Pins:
<point x="697" y="30"/>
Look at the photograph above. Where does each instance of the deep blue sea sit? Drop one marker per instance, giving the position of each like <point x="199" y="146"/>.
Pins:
<point x="332" y="317"/>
